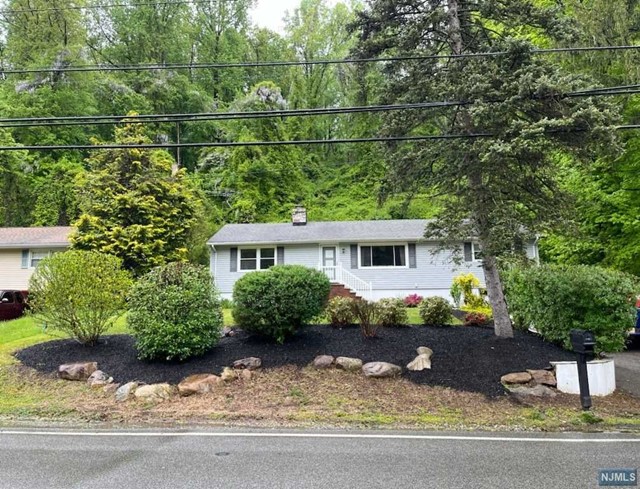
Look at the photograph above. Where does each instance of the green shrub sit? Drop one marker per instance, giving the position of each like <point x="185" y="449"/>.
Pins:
<point x="175" y="312"/>
<point x="80" y="293"/>
<point x="339" y="311"/>
<point x="367" y="315"/>
<point x="435" y="311"/>
<point x="278" y="301"/>
<point x="556" y="299"/>
<point x="392" y="312"/>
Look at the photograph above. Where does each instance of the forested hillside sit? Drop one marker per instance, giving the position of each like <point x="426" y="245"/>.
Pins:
<point x="200" y="58"/>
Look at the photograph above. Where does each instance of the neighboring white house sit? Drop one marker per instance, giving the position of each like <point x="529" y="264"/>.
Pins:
<point x="374" y="259"/>
<point x="22" y="248"/>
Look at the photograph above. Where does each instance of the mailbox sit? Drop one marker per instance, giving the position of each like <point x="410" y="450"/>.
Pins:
<point x="583" y="341"/>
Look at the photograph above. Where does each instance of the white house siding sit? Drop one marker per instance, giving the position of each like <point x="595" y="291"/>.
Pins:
<point x="12" y="275"/>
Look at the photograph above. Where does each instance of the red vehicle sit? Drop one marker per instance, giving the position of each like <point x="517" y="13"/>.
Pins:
<point x="13" y="303"/>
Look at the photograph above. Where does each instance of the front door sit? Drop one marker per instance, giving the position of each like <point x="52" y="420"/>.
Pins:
<point x="329" y="261"/>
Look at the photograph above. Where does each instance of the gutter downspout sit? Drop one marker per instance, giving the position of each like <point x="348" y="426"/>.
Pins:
<point x="536" y="250"/>
<point x="215" y="261"/>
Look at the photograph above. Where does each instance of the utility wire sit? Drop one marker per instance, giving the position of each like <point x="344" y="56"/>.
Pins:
<point x="226" y="144"/>
<point x="263" y="64"/>
<point x="301" y="142"/>
<point x="214" y="116"/>
<point x="96" y="7"/>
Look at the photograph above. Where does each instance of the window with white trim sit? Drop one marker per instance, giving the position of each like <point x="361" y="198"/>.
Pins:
<point x="257" y="258"/>
<point x="383" y="256"/>
<point x="476" y="252"/>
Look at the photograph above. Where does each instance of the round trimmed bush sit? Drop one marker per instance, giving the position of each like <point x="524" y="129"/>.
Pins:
<point x="278" y="301"/>
<point x="558" y="298"/>
<point x="175" y="312"/>
<point x="339" y="311"/>
<point x="392" y="312"/>
<point x="435" y="311"/>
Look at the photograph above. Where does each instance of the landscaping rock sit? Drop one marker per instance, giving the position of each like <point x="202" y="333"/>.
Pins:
<point x="77" y="371"/>
<point x="125" y="391"/>
<point x="229" y="332"/>
<point x="245" y="374"/>
<point x="381" y="369"/>
<point x="543" y="377"/>
<point x="251" y="363"/>
<point x="99" y="379"/>
<point x="228" y="374"/>
<point x="537" y="391"/>
<point x="323" y="361"/>
<point x="422" y="361"/>
<point x="198" y="384"/>
<point x="516" y="378"/>
<point x="110" y="388"/>
<point x="348" y="363"/>
<point x="154" y="392"/>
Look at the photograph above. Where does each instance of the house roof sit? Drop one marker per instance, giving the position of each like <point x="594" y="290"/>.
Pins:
<point x="315" y="232"/>
<point x="36" y="237"/>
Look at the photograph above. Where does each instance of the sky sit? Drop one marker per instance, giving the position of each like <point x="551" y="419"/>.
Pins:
<point x="269" y="13"/>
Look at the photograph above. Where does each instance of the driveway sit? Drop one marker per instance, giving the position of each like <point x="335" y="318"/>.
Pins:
<point x="628" y="371"/>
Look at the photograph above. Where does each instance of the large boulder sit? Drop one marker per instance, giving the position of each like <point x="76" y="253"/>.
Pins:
<point x="543" y="377"/>
<point x="381" y="369"/>
<point x="516" y="378"/>
<point x="77" y="371"/>
<point x="348" y="363"/>
<point x="99" y="379"/>
<point x="250" y="363"/>
<point x="154" y="392"/>
<point x="125" y="392"/>
<point x="198" y="384"/>
<point x="323" y="361"/>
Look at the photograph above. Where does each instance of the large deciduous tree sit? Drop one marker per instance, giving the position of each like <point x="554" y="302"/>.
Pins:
<point x="498" y="179"/>
<point x="135" y="206"/>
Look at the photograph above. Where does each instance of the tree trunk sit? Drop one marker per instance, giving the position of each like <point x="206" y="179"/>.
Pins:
<point x="502" y="322"/>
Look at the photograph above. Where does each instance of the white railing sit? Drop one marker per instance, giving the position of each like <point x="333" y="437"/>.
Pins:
<point x="348" y="279"/>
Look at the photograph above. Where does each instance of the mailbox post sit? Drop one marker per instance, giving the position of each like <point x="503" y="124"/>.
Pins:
<point x="583" y="344"/>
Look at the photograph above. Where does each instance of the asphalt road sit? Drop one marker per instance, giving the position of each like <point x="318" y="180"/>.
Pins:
<point x="340" y="460"/>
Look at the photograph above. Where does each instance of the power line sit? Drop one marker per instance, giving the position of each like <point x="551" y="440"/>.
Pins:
<point x="104" y="6"/>
<point x="214" y="116"/>
<point x="266" y="64"/>
<point x="226" y="144"/>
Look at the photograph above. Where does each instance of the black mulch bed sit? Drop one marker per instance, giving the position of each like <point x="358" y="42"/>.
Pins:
<point x="465" y="358"/>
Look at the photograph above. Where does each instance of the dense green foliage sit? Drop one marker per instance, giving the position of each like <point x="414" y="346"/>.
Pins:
<point x="556" y="299"/>
<point x="339" y="311"/>
<point x="279" y="301"/>
<point x="392" y="312"/>
<point x="435" y="311"/>
<point x="174" y="312"/>
<point x="80" y="293"/>
<point x="135" y="206"/>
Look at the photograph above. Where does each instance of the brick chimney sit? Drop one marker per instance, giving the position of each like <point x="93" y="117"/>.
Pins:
<point x="299" y="216"/>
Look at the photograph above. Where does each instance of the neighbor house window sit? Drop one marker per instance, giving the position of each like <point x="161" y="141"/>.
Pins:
<point x="476" y="252"/>
<point x="257" y="258"/>
<point x="37" y="256"/>
<point x="383" y="256"/>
